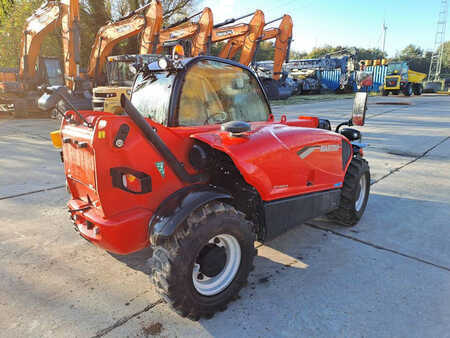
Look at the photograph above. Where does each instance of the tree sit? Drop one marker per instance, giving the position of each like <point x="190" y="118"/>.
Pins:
<point x="416" y="58"/>
<point x="5" y="7"/>
<point x="410" y="52"/>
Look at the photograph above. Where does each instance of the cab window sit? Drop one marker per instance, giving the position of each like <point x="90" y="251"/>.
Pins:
<point x="216" y="92"/>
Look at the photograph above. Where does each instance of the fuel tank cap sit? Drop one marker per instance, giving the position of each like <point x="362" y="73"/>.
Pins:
<point x="236" y="127"/>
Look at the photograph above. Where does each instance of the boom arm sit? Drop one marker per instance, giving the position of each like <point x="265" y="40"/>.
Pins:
<point x="282" y="45"/>
<point x="111" y="34"/>
<point x="150" y="35"/>
<point x="71" y="41"/>
<point x="37" y="27"/>
<point x="283" y="36"/>
<point x="199" y="32"/>
<point x="243" y="35"/>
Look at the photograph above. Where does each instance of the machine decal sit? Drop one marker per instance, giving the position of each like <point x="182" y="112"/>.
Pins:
<point x="160" y="167"/>
<point x="101" y="134"/>
<point x="306" y="151"/>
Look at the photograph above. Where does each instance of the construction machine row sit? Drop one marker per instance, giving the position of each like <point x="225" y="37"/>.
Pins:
<point x="110" y="76"/>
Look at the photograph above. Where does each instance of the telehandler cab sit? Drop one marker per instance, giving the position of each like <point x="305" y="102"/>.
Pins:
<point x="199" y="169"/>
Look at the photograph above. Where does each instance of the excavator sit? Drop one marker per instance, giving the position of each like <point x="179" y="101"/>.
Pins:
<point x="194" y="35"/>
<point x="145" y="22"/>
<point x="241" y="36"/>
<point x="275" y="86"/>
<point x="35" y="70"/>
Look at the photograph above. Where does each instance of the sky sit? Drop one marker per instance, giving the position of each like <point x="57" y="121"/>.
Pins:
<point x="345" y="22"/>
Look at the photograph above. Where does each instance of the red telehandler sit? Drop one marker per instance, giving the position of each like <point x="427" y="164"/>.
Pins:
<point x="198" y="169"/>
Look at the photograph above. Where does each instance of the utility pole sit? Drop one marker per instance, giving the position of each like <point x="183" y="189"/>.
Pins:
<point x="436" y="58"/>
<point x="384" y="37"/>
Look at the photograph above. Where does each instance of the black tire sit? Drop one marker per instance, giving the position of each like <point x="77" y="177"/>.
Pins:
<point x="173" y="260"/>
<point x="418" y="90"/>
<point x="348" y="214"/>
<point x="395" y="92"/>
<point x="407" y="91"/>
<point x="384" y="92"/>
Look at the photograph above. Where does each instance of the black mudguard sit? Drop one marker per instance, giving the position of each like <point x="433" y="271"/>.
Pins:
<point x="177" y="207"/>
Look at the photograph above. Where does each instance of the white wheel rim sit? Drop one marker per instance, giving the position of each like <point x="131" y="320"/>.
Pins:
<point x="362" y="193"/>
<point x="210" y="286"/>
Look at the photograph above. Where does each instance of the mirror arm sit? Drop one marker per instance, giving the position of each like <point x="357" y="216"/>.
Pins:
<point x="348" y="123"/>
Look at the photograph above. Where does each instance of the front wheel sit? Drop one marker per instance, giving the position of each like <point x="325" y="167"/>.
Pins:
<point x="355" y="193"/>
<point x="384" y="92"/>
<point x="203" y="266"/>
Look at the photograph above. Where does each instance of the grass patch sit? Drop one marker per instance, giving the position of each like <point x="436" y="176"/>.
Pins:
<point x="299" y="99"/>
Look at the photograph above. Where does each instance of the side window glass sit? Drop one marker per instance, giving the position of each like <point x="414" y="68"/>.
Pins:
<point x="216" y="92"/>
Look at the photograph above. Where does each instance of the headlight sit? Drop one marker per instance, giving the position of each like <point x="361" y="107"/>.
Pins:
<point x="163" y="63"/>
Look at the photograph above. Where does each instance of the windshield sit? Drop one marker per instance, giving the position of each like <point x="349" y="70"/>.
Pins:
<point x="119" y="74"/>
<point x="216" y="92"/>
<point x="54" y="72"/>
<point x="151" y="95"/>
<point x="394" y="68"/>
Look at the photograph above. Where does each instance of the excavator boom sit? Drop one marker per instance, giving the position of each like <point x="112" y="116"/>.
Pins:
<point x="282" y="45"/>
<point x="199" y="32"/>
<point x="148" y="17"/>
<point x="239" y="36"/>
<point x="37" y="27"/>
<point x="71" y="41"/>
<point x="150" y="34"/>
<point x="283" y="36"/>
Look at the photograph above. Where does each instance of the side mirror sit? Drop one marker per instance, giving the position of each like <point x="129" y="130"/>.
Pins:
<point x="359" y="109"/>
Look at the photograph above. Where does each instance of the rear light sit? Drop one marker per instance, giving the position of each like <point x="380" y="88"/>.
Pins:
<point x="56" y="139"/>
<point x="130" y="180"/>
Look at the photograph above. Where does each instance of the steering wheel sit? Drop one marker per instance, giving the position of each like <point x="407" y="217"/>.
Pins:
<point x="222" y="113"/>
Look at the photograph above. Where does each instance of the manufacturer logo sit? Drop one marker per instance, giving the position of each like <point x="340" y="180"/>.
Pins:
<point x="123" y="29"/>
<point x="176" y="34"/>
<point x="306" y="151"/>
<point x="161" y="169"/>
<point x="228" y="32"/>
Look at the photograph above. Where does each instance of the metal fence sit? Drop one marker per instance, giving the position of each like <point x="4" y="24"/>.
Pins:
<point x="330" y="78"/>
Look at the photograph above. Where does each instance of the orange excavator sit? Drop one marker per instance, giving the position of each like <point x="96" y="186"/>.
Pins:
<point x="146" y="21"/>
<point x="35" y="70"/>
<point x="283" y="36"/>
<point x="119" y="76"/>
<point x="274" y="84"/>
<point x="241" y="36"/>
<point x="195" y="37"/>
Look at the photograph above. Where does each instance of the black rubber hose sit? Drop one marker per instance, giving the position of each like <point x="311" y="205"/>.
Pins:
<point x="158" y="143"/>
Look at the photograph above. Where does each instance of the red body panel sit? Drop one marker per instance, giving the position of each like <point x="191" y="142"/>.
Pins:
<point x="267" y="157"/>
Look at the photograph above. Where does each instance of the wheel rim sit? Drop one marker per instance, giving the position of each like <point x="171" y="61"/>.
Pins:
<point x="210" y="275"/>
<point x="362" y="193"/>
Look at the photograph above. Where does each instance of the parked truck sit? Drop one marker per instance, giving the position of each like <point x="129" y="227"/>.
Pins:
<point x="399" y="78"/>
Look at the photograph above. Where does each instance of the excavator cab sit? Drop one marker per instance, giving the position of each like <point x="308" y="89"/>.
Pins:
<point x="50" y="71"/>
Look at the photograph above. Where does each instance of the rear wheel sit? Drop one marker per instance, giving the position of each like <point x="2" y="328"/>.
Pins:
<point x="418" y="89"/>
<point x="203" y="266"/>
<point x="407" y="91"/>
<point x="355" y="193"/>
